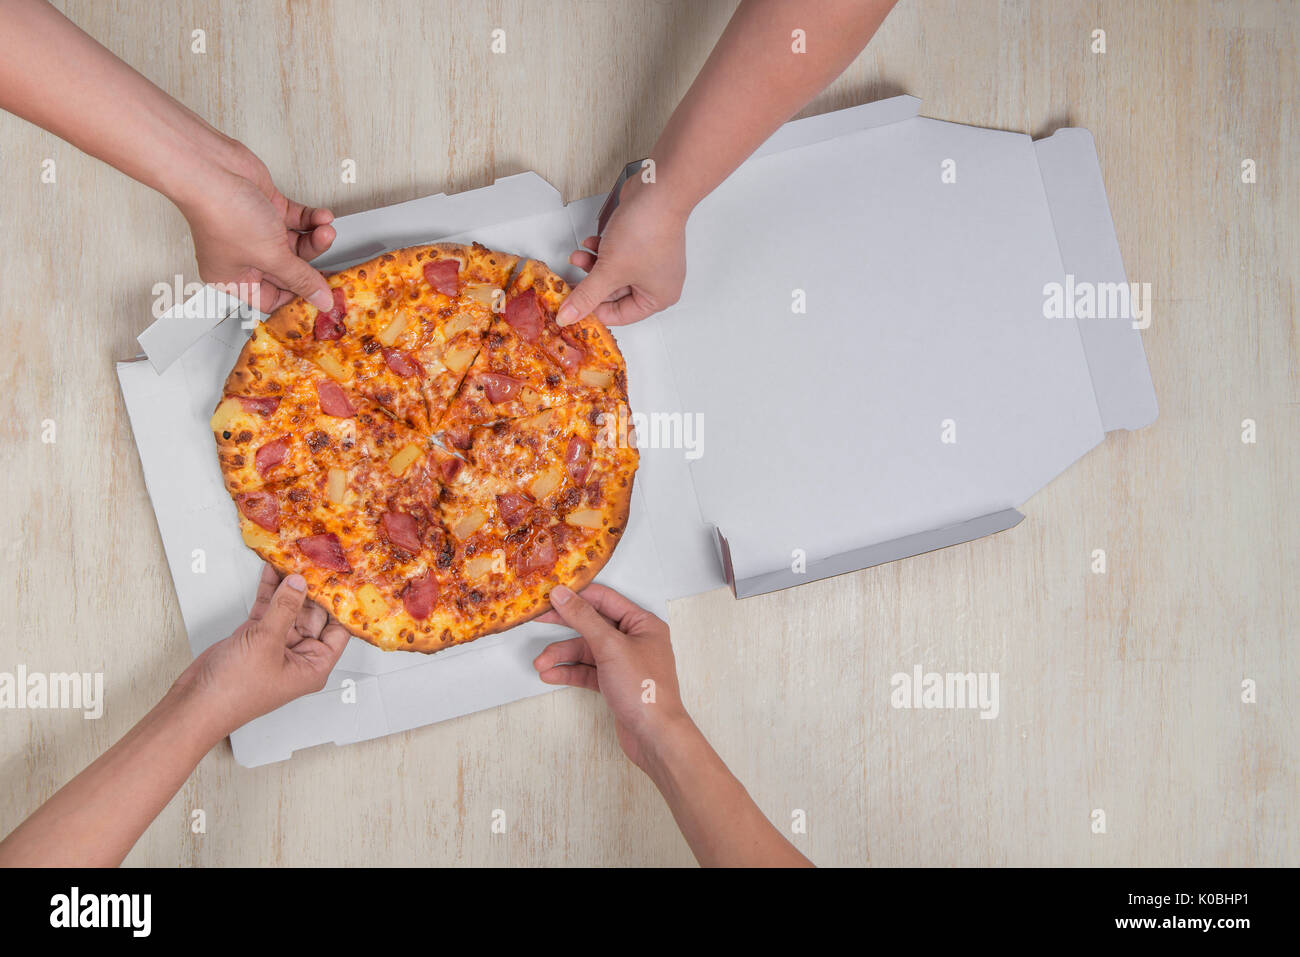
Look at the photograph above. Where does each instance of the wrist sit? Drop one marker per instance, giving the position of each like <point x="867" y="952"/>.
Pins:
<point x="670" y="743"/>
<point x="201" y="164"/>
<point x="193" y="705"/>
<point x="660" y="199"/>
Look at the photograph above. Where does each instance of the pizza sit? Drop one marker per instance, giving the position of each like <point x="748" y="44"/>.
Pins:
<point x="434" y="453"/>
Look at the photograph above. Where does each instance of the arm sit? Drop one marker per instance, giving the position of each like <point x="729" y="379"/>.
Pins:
<point x="752" y="83"/>
<point x="244" y="230"/>
<point x="618" y="647"/>
<point x="284" y="650"/>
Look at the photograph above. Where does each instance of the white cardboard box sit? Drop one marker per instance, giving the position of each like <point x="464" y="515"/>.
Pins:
<point x="924" y="316"/>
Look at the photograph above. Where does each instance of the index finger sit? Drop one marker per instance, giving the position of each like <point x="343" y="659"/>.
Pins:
<point x="308" y="245"/>
<point x="298" y="216"/>
<point x="623" y="311"/>
<point x="613" y="605"/>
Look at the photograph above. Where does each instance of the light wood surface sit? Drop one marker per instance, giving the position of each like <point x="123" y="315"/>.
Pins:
<point x="1119" y="692"/>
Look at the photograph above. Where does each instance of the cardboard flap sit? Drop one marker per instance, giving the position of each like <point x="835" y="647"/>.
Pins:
<point x="827" y="126"/>
<point x="362" y="236"/>
<point x="1117" y="363"/>
<point x="172" y="333"/>
<point x="803" y="132"/>
<point x="867" y="557"/>
<point x="906" y="302"/>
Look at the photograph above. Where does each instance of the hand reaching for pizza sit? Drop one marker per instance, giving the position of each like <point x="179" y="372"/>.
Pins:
<point x="285" y="649"/>
<point x="623" y="652"/>
<point x="620" y="647"/>
<point x="637" y="267"/>
<point x="247" y="233"/>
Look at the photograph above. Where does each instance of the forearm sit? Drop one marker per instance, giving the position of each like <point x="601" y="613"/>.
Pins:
<point x="96" y="818"/>
<point x="752" y="83"/>
<point x="54" y="75"/>
<point x="716" y="815"/>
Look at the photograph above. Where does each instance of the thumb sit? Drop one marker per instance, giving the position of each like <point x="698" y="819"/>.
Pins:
<point x="575" y="612"/>
<point x="285" y="605"/>
<point x="588" y="294"/>
<point x="300" y="279"/>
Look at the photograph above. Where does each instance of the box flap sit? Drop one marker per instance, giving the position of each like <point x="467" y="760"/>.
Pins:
<point x="828" y="126"/>
<point x="802" y="132"/>
<point x="868" y="557"/>
<point x="880" y="366"/>
<point x="1090" y="252"/>
<point x="364" y="235"/>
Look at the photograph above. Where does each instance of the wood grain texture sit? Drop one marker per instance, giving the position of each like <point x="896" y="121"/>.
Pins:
<point x="1118" y="691"/>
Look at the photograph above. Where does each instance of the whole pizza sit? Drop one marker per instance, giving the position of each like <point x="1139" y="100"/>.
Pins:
<point x="434" y="453"/>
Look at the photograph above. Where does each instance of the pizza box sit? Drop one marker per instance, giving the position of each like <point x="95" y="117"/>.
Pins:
<point x="860" y="369"/>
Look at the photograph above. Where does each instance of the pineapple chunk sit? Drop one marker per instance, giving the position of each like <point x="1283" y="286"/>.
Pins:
<point x="585" y="518"/>
<point x="527" y="395"/>
<point x="332" y="366"/>
<point x="256" y="537"/>
<point x="336" y="489"/>
<point x="542" y="420"/>
<point x="480" y="565"/>
<point x="372" y="603"/>
<point x="458" y="324"/>
<point x="547" y="482"/>
<point x="400" y="462"/>
<point x="486" y="295"/>
<point x="225" y="414"/>
<point x="599" y="378"/>
<point x="459" y="358"/>
<point x="395" y="328"/>
<point x="469" y="523"/>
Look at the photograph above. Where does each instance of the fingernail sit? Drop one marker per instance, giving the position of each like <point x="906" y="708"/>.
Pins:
<point x="560" y="595"/>
<point x="566" y="315"/>
<point x="296" y="582"/>
<point x="323" y="301"/>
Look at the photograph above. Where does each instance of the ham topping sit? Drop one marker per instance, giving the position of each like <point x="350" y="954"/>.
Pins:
<point x="443" y="275"/>
<point x="525" y="315"/>
<point x="333" y="400"/>
<point x="262" y="508"/>
<point x="325" y="551"/>
<point x="401" y="530"/>
<point x="329" y="325"/>
<point x="419" y="596"/>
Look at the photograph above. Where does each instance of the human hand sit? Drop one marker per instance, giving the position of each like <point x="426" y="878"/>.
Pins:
<point x="637" y="267"/>
<point x="619" y="648"/>
<point x="285" y="649"/>
<point x="246" y="232"/>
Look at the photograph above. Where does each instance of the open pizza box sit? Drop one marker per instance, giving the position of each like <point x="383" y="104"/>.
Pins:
<point x="860" y="369"/>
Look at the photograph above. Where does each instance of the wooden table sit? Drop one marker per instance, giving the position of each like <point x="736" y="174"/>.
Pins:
<point x="1119" y="691"/>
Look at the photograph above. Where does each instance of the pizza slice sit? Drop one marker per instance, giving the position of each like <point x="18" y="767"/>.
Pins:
<point x="405" y="326"/>
<point x="543" y="499"/>
<point x="529" y="363"/>
<point x="373" y="550"/>
<point x="281" y="416"/>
